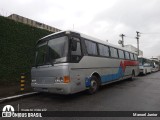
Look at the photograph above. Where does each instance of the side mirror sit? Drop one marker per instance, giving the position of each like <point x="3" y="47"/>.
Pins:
<point x="154" y="65"/>
<point x="73" y="45"/>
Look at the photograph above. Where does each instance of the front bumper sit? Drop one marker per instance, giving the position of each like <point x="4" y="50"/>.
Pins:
<point x="58" y="88"/>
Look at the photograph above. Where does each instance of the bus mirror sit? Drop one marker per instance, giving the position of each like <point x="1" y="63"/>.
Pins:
<point x="74" y="45"/>
<point x="154" y="65"/>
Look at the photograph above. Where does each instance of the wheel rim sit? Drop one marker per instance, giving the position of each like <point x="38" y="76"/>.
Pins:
<point x="93" y="85"/>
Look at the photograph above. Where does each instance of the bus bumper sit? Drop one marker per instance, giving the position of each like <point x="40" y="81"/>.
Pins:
<point x="58" y="88"/>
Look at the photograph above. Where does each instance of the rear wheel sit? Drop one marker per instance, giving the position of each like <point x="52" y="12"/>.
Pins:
<point x="133" y="75"/>
<point x="94" y="85"/>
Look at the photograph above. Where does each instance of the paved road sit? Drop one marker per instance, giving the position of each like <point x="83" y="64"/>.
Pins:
<point x="140" y="94"/>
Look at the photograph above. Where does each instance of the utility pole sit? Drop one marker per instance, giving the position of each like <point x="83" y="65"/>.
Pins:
<point x="138" y="41"/>
<point x="122" y="35"/>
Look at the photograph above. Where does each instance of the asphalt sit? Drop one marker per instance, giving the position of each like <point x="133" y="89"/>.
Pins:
<point x="140" y="94"/>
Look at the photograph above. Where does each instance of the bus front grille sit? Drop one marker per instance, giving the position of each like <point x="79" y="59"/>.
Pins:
<point x="45" y="80"/>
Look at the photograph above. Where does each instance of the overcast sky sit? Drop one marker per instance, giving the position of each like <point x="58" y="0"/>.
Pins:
<point x="104" y="19"/>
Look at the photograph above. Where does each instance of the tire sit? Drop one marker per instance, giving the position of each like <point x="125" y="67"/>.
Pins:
<point x="94" y="85"/>
<point x="145" y="72"/>
<point x="133" y="74"/>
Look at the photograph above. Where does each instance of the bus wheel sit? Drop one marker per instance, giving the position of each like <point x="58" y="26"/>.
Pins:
<point x="133" y="74"/>
<point x="94" y="85"/>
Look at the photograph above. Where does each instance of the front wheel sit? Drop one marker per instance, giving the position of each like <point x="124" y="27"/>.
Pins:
<point x="94" y="85"/>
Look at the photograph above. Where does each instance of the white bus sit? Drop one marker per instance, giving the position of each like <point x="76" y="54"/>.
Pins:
<point x="155" y="65"/>
<point x="145" y="65"/>
<point x="68" y="62"/>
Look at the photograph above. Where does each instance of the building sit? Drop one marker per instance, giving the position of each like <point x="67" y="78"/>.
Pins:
<point x="158" y="58"/>
<point x="132" y="48"/>
<point x="32" y="23"/>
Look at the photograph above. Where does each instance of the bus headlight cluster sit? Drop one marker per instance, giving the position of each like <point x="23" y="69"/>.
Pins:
<point x="34" y="80"/>
<point x="64" y="79"/>
<point x="59" y="80"/>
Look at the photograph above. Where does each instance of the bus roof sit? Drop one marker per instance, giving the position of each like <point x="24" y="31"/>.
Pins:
<point x="104" y="42"/>
<point x="154" y="59"/>
<point x="89" y="38"/>
<point x="143" y="57"/>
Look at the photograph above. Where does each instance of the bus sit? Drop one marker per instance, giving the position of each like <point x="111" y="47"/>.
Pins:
<point x="68" y="62"/>
<point x="145" y="65"/>
<point x="155" y="65"/>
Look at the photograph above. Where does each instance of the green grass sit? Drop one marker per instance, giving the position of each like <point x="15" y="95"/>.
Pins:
<point x="17" y="42"/>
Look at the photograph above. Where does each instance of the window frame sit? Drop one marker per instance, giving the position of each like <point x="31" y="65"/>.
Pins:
<point x="79" y="41"/>
<point x="123" y="53"/>
<point x="135" y="56"/>
<point x="105" y="46"/>
<point x="116" y="50"/>
<point x="87" y="50"/>
<point x="128" y="54"/>
<point x="82" y="51"/>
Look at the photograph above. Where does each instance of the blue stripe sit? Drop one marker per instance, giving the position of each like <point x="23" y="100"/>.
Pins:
<point x="107" y="78"/>
<point x="110" y="77"/>
<point x="87" y="82"/>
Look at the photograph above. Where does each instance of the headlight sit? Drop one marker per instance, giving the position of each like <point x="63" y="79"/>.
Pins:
<point x="64" y="79"/>
<point x="34" y="80"/>
<point x="59" y="80"/>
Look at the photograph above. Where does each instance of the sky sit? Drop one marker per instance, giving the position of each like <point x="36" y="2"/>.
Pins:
<point x="103" y="19"/>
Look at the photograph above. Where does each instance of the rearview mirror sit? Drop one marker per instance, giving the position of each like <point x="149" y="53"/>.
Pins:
<point x="73" y="45"/>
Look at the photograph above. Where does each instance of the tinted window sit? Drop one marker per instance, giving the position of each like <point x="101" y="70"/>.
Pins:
<point x="113" y="52"/>
<point x="127" y="55"/>
<point x="103" y="50"/>
<point x="121" y="54"/>
<point x="135" y="56"/>
<point x="78" y="50"/>
<point x="91" y="47"/>
<point x="131" y="56"/>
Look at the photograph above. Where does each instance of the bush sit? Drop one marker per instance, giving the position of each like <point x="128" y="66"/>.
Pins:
<point x="17" y="41"/>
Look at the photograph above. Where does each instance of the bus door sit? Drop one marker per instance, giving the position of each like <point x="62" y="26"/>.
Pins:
<point x="76" y="73"/>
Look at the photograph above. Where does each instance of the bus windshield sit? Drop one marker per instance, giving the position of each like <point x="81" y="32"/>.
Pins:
<point x="140" y="61"/>
<point x="52" y="51"/>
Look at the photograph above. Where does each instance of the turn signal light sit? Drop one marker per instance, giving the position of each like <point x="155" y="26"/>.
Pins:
<point x="66" y="79"/>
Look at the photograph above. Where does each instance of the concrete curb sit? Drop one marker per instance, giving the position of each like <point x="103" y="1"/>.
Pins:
<point x="16" y="96"/>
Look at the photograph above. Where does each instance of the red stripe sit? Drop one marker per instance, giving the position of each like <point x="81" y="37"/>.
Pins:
<point x="125" y="63"/>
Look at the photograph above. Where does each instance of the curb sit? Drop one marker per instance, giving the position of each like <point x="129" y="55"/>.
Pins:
<point x="16" y="96"/>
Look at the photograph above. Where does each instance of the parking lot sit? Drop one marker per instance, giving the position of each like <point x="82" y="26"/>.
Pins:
<point x="140" y="94"/>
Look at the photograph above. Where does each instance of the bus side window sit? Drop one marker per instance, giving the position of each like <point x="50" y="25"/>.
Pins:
<point x="76" y="53"/>
<point x="91" y="48"/>
<point x="135" y="56"/>
<point x="127" y="55"/>
<point x="131" y="56"/>
<point x="114" y="52"/>
<point x="121" y="54"/>
<point x="103" y="50"/>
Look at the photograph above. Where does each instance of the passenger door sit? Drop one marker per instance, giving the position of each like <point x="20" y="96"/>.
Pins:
<point x="76" y="74"/>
